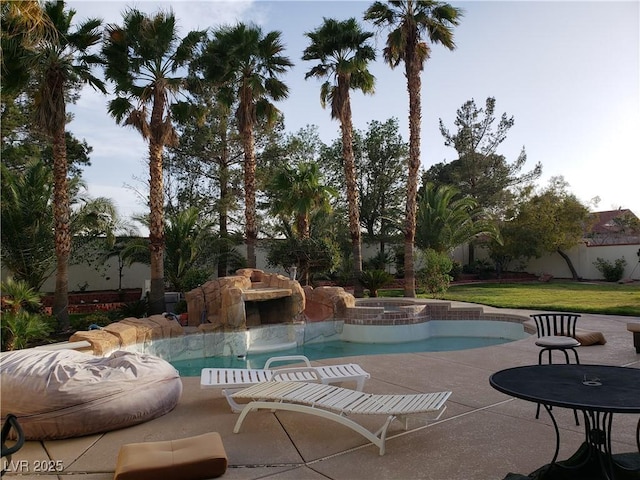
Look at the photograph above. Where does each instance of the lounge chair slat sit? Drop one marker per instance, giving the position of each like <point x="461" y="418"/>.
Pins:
<point x="234" y="378"/>
<point x="333" y="403"/>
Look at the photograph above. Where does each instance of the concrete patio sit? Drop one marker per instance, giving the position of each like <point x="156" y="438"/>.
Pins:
<point x="483" y="434"/>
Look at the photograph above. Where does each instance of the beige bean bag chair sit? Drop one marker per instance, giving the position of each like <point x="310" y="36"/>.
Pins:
<point x="62" y="394"/>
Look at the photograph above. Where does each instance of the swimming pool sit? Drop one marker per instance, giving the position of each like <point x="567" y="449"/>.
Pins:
<point x="445" y="336"/>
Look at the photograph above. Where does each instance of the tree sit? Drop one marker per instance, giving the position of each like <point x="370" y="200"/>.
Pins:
<point x="480" y="172"/>
<point x="27" y="234"/>
<point x="298" y="192"/>
<point x="343" y="53"/>
<point x="383" y="170"/>
<point x="245" y="65"/>
<point x="25" y="25"/>
<point x="58" y="64"/>
<point x="186" y="235"/>
<point x="409" y="21"/>
<point x="143" y="59"/>
<point x="445" y="220"/>
<point x="551" y="221"/>
<point x="28" y="241"/>
<point x="205" y="166"/>
<point x="381" y="156"/>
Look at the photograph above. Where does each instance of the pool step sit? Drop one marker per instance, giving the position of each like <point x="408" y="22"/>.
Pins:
<point x="271" y="347"/>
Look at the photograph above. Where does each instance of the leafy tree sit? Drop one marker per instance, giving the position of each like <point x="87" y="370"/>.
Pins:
<point x="409" y="21"/>
<point x="309" y="255"/>
<point x="143" y="59"/>
<point x="58" y="64"/>
<point x="245" y="64"/>
<point x="479" y="171"/>
<point x="205" y="166"/>
<point x="446" y="220"/>
<point x="551" y="221"/>
<point x="382" y="180"/>
<point x="342" y="51"/>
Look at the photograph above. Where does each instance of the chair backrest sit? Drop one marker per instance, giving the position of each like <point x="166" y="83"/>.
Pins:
<point x="550" y="324"/>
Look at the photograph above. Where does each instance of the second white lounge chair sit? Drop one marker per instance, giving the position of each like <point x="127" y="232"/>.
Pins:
<point x="234" y="379"/>
<point x="335" y="403"/>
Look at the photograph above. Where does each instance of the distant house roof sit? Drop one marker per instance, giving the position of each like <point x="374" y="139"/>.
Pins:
<point x="614" y="227"/>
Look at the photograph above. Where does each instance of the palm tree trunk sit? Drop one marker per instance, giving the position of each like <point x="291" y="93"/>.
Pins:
<point x="61" y="215"/>
<point x="156" y="229"/>
<point x="251" y="227"/>
<point x="415" y="114"/>
<point x="352" y="191"/>
<point x="225" y="195"/>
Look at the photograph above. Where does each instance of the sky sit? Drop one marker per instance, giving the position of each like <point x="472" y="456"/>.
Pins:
<point x="568" y="72"/>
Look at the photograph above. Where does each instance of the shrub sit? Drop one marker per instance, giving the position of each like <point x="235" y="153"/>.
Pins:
<point x="456" y="270"/>
<point x="373" y="280"/>
<point x="379" y="262"/>
<point x="137" y="309"/>
<point x="20" y="324"/>
<point x="83" y="322"/>
<point x="21" y="328"/>
<point x="180" y="307"/>
<point x="482" y="268"/>
<point x="194" y="278"/>
<point x="612" y="272"/>
<point x="434" y="277"/>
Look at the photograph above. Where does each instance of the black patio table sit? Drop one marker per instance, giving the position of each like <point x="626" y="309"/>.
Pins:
<point x="598" y="391"/>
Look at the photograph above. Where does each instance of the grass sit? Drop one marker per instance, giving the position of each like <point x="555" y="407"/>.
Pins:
<point x="562" y="296"/>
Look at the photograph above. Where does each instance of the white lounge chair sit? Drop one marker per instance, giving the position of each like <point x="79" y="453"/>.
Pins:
<point x="334" y="403"/>
<point x="235" y="379"/>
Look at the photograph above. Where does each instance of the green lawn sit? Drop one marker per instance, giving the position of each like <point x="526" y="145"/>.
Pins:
<point x="611" y="299"/>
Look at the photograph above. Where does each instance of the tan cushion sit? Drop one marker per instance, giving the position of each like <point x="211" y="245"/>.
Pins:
<point x="191" y="458"/>
<point x="557" y="342"/>
<point x="590" y="338"/>
<point x="633" y="327"/>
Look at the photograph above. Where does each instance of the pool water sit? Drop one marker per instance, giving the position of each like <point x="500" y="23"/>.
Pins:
<point x="336" y="349"/>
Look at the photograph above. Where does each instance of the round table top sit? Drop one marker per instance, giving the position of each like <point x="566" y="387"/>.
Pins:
<point x="602" y="388"/>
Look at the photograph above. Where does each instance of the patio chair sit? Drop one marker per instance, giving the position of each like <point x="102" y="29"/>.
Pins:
<point x="10" y="423"/>
<point x="235" y="379"/>
<point x="556" y="332"/>
<point x="335" y="403"/>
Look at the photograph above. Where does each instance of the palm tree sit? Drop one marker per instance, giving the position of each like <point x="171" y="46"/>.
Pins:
<point x="142" y="58"/>
<point x="186" y="236"/>
<point x="60" y="63"/>
<point x="246" y="64"/>
<point x="299" y="191"/>
<point x="445" y="220"/>
<point x="25" y="25"/>
<point x="27" y="236"/>
<point x="343" y="53"/>
<point x="409" y="21"/>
